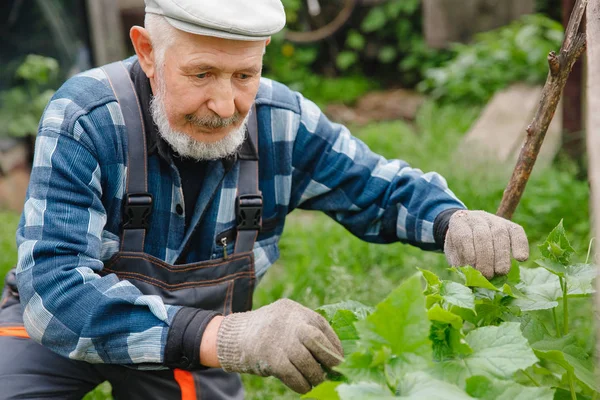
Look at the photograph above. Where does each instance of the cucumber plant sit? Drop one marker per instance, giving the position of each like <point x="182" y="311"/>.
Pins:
<point x="468" y="338"/>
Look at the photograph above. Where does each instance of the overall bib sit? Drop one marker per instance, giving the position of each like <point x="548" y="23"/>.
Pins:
<point x="225" y="285"/>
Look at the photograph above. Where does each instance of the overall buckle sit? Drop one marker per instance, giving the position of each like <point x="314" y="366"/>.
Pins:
<point x="248" y="208"/>
<point x="137" y="210"/>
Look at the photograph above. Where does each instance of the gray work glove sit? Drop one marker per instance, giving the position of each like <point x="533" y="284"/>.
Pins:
<point x="283" y="339"/>
<point x="484" y="241"/>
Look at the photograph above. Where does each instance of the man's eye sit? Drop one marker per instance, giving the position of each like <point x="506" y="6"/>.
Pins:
<point x="244" y="76"/>
<point x="202" y="76"/>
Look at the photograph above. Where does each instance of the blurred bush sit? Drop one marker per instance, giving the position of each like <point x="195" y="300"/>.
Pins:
<point x="22" y="106"/>
<point x="383" y="45"/>
<point x="516" y="52"/>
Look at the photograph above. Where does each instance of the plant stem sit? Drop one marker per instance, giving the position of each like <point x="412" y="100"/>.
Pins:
<point x="527" y="374"/>
<point x="556" y="322"/>
<point x="572" y="386"/>
<point x="563" y="285"/>
<point x="589" y="250"/>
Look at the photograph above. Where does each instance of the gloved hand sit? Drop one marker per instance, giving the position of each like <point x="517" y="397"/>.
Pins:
<point x="283" y="339"/>
<point x="484" y="241"/>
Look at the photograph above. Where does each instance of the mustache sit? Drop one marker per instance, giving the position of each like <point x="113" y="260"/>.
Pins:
<point x="213" y="121"/>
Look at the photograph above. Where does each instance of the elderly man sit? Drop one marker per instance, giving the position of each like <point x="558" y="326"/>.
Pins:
<point x="159" y="190"/>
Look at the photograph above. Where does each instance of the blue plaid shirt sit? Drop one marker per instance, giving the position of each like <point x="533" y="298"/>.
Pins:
<point x="72" y="214"/>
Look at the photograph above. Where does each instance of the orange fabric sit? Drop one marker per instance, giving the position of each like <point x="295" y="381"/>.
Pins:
<point x="16" y="331"/>
<point x="186" y="383"/>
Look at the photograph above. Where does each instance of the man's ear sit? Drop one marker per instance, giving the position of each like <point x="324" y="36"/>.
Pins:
<point x="140" y="38"/>
<point x="268" y="41"/>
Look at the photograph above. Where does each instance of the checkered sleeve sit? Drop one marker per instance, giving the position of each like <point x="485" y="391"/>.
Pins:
<point x="378" y="200"/>
<point x="68" y="306"/>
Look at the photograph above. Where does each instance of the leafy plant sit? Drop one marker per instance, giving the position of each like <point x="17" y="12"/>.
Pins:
<point x="293" y="65"/>
<point x="516" y="52"/>
<point x="467" y="337"/>
<point x="390" y="35"/>
<point x="23" y="105"/>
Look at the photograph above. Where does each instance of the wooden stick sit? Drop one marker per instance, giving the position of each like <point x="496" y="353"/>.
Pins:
<point x="560" y="65"/>
<point x="593" y="135"/>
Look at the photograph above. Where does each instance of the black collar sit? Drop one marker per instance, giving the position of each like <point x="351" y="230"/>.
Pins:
<point x="155" y="143"/>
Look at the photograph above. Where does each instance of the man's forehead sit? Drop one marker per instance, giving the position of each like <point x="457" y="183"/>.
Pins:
<point x="231" y="19"/>
<point x="213" y="53"/>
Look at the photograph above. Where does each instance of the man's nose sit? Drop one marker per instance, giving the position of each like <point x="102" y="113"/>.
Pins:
<point x="222" y="100"/>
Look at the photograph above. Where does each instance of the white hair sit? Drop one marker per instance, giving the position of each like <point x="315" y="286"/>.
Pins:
<point x="162" y="35"/>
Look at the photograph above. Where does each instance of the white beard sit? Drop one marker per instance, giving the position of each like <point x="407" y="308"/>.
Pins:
<point x="186" y="146"/>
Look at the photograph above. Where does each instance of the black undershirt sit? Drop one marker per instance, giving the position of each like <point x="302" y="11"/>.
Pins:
<point x="192" y="175"/>
<point x="192" y="172"/>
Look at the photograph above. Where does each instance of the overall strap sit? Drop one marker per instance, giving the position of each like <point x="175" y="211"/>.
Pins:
<point x="249" y="202"/>
<point x="137" y="203"/>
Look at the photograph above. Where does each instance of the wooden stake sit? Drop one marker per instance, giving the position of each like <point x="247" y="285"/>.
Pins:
<point x="560" y="66"/>
<point x="573" y="139"/>
<point x="593" y="131"/>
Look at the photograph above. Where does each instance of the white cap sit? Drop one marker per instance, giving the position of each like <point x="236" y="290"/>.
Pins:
<point x="228" y="19"/>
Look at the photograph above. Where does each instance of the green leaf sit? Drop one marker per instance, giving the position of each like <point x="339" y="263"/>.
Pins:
<point x="481" y="387"/>
<point x="387" y="54"/>
<point x="533" y="329"/>
<point x="580" y="279"/>
<point x="432" y="279"/>
<point x="359" y="309"/>
<point x="437" y="313"/>
<point x="374" y="20"/>
<point x="38" y="69"/>
<point x="457" y="294"/>
<point x="498" y="352"/>
<point x="566" y="353"/>
<point x="474" y="278"/>
<point x="343" y="325"/>
<point x="432" y="299"/>
<point x="399" y="322"/>
<point x="572" y="364"/>
<point x="509" y="291"/>
<point x="325" y="391"/>
<point x="364" y="391"/>
<point x="421" y="386"/>
<point x="355" y="40"/>
<point x="540" y="288"/>
<point x="557" y="247"/>
<point x="447" y="342"/>
<point x="552" y="266"/>
<point x="565" y="394"/>
<point x="360" y="367"/>
<point x="346" y="59"/>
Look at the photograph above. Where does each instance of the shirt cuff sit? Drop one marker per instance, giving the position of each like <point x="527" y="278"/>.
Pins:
<point x="185" y="335"/>
<point x="440" y="226"/>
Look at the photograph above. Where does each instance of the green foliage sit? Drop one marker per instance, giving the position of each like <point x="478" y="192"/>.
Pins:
<point x="8" y="246"/>
<point x="292" y="65"/>
<point x="516" y="52"/>
<point x="393" y="30"/>
<point x="23" y="105"/>
<point x="410" y="347"/>
<point x="385" y="37"/>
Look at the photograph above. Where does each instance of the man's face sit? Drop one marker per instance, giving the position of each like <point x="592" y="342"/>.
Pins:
<point x="203" y="92"/>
